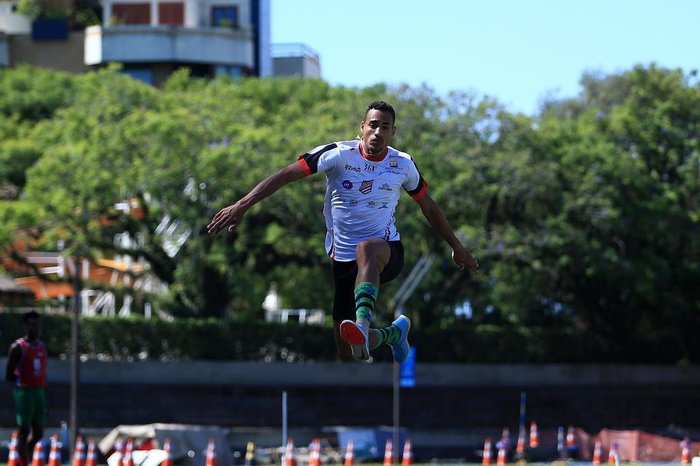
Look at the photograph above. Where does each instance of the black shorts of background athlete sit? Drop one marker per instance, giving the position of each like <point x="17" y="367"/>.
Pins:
<point x="344" y="274"/>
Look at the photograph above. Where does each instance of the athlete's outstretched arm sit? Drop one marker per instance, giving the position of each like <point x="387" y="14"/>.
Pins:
<point x="232" y="215"/>
<point x="438" y="221"/>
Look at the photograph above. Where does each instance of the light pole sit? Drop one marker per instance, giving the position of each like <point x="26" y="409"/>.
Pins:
<point x="75" y="357"/>
<point x="397" y="415"/>
<point x="423" y="265"/>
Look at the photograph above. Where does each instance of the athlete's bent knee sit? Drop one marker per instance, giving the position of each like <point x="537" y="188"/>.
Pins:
<point x="373" y="251"/>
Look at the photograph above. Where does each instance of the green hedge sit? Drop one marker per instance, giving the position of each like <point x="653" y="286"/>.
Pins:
<point x="110" y="338"/>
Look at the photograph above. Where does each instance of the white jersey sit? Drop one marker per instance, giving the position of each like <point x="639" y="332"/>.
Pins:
<point x="361" y="194"/>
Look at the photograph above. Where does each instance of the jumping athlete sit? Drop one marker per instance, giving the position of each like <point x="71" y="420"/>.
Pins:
<point x="365" y="178"/>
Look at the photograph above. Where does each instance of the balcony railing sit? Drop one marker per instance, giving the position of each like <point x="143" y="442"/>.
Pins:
<point x="168" y="44"/>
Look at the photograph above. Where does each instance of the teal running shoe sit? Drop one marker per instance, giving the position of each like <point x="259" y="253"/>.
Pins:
<point x="401" y="348"/>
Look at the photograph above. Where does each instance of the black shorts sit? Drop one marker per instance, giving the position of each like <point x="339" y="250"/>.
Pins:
<point x="344" y="274"/>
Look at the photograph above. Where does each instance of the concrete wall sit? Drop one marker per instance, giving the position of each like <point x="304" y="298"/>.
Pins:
<point x="446" y="397"/>
<point x="64" y="55"/>
<point x="378" y="374"/>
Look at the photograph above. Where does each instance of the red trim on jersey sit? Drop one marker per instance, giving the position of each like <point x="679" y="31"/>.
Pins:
<point x="304" y="165"/>
<point x="420" y="194"/>
<point x="373" y="158"/>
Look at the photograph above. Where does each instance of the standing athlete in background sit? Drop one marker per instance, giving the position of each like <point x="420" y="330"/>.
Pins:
<point x="365" y="178"/>
<point x="26" y="369"/>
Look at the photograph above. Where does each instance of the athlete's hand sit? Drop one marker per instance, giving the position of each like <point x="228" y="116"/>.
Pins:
<point x="230" y="217"/>
<point x="464" y="259"/>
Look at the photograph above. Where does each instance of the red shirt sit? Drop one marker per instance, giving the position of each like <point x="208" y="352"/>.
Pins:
<point x="31" y="368"/>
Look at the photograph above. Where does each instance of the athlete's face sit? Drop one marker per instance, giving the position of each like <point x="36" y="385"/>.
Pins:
<point x="377" y="131"/>
<point x="31" y="328"/>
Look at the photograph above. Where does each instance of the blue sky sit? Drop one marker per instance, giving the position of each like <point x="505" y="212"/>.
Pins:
<point x="515" y="51"/>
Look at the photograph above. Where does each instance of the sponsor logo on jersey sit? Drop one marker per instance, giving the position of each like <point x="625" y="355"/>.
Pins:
<point x="352" y="168"/>
<point x="371" y="203"/>
<point x="393" y="164"/>
<point x="347" y="184"/>
<point x="369" y="168"/>
<point x="385" y="187"/>
<point x="396" y="171"/>
<point x="384" y="205"/>
<point x="366" y="187"/>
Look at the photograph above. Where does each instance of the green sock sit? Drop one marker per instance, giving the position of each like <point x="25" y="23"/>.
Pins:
<point x="388" y="335"/>
<point x="365" y="297"/>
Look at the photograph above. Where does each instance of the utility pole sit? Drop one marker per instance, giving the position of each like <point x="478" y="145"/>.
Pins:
<point x="75" y="357"/>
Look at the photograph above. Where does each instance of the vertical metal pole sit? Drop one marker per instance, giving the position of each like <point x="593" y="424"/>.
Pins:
<point x="75" y="358"/>
<point x="397" y="404"/>
<point x="284" y="418"/>
<point x="520" y="446"/>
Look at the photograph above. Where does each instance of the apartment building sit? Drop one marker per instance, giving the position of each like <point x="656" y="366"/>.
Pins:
<point x="150" y="38"/>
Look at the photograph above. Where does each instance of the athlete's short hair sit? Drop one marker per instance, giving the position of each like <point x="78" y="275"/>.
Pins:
<point x="382" y="107"/>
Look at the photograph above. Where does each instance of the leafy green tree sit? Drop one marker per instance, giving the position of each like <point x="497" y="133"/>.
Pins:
<point x="603" y="228"/>
<point x="35" y="93"/>
<point x="585" y="218"/>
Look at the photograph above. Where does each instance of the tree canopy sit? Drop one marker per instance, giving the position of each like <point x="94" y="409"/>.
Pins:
<point x="584" y="217"/>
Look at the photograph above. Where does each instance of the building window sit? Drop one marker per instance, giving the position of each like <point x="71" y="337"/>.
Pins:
<point x="142" y="74"/>
<point x="229" y="70"/>
<point x="224" y="16"/>
<point x="171" y="13"/>
<point x="131" y="13"/>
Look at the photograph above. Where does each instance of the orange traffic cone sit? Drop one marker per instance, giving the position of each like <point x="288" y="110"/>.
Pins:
<point x="55" y="454"/>
<point x="407" y="459"/>
<point x="534" y="438"/>
<point x="388" y="453"/>
<point x="289" y="459"/>
<point x="211" y="453"/>
<point x="503" y="447"/>
<point x="685" y="451"/>
<point x="128" y="453"/>
<point x="13" y="458"/>
<point x="79" y="453"/>
<point x="349" y="454"/>
<point x="570" y="437"/>
<point x="91" y="459"/>
<point x="168" y="461"/>
<point x="119" y="452"/>
<point x="612" y="455"/>
<point x="502" y="457"/>
<point x="486" y="461"/>
<point x="315" y="452"/>
<point x="520" y="446"/>
<point x="38" y="454"/>
<point x="596" y="453"/>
